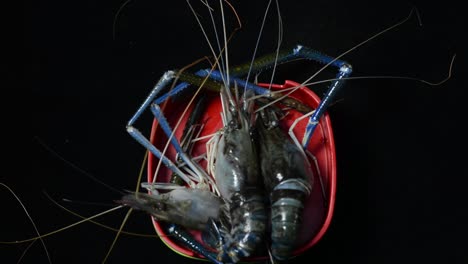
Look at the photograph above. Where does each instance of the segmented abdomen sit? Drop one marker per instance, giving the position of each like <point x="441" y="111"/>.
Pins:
<point x="248" y="225"/>
<point x="237" y="177"/>
<point x="287" y="177"/>
<point x="286" y="216"/>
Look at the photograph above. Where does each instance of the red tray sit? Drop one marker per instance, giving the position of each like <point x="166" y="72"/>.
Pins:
<point x="319" y="207"/>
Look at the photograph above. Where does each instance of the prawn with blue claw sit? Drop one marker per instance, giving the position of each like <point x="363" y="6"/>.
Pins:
<point x="241" y="164"/>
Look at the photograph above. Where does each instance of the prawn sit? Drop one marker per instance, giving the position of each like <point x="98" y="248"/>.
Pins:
<point x="288" y="179"/>
<point x="38" y="117"/>
<point x="238" y="179"/>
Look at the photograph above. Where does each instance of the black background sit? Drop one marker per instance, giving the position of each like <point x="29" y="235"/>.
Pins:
<point x="401" y="196"/>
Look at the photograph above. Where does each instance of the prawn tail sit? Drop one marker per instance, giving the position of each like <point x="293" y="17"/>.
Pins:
<point x="287" y="206"/>
<point x="248" y="219"/>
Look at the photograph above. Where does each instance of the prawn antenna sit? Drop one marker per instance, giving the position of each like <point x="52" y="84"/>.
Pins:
<point x="114" y="23"/>
<point x="33" y="224"/>
<point x="74" y="166"/>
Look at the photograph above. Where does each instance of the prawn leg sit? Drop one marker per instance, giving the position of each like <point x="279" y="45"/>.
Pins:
<point x="177" y="231"/>
<point x="298" y="52"/>
<point x="150" y="102"/>
<point x="182" y="207"/>
<point x="189" y="241"/>
<point x="214" y="85"/>
<point x="140" y="138"/>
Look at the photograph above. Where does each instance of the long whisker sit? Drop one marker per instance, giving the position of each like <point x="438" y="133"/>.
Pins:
<point x="449" y="75"/>
<point x="114" y="23"/>
<point x="25" y="252"/>
<point x="185" y="112"/>
<point x="344" y="53"/>
<point x="60" y="229"/>
<point x="213" y="66"/>
<point x="129" y="212"/>
<point x="257" y="43"/>
<point x="209" y="43"/>
<point x="235" y="13"/>
<point x="222" y="67"/>
<point x="63" y="228"/>
<point x="75" y="167"/>
<point x="294" y="88"/>
<point x="202" y="28"/>
<point x="280" y="40"/>
<point x="223" y="19"/>
<point x="164" y="106"/>
<point x="140" y="174"/>
<point x="124" y="221"/>
<point x="364" y="42"/>
<point x="95" y="222"/>
<point x="30" y="219"/>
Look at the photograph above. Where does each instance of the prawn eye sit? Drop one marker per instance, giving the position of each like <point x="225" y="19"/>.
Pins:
<point x="233" y="125"/>
<point x="159" y="206"/>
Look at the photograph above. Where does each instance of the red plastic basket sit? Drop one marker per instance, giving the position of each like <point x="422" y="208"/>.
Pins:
<point x="319" y="207"/>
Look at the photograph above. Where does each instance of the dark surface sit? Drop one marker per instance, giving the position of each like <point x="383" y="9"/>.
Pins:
<point x="401" y="192"/>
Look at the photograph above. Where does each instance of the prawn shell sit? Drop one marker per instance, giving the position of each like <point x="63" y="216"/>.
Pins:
<point x="318" y="209"/>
